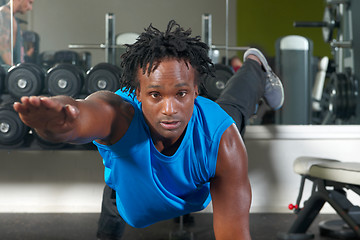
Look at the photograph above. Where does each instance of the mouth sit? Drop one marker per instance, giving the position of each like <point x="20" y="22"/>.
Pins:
<point x="170" y="125"/>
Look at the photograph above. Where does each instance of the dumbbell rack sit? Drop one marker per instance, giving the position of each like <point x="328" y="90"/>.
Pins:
<point x="28" y="79"/>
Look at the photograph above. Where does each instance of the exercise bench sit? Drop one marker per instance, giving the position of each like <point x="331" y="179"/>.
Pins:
<point x="331" y="180"/>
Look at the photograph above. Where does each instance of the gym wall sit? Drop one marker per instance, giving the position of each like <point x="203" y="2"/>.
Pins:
<point x="260" y="23"/>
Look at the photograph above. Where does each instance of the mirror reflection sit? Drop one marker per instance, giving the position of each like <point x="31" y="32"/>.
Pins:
<point x="319" y="89"/>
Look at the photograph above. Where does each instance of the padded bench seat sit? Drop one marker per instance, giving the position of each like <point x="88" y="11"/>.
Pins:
<point x="331" y="178"/>
<point x="328" y="169"/>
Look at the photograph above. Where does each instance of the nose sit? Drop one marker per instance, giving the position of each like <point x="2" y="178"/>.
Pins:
<point x="30" y="5"/>
<point x="169" y="107"/>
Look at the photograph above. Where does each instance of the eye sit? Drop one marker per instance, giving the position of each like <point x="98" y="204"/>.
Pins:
<point x="154" y="94"/>
<point x="182" y="94"/>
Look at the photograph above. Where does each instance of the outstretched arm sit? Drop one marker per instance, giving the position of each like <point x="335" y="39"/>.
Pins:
<point x="102" y="116"/>
<point x="230" y="189"/>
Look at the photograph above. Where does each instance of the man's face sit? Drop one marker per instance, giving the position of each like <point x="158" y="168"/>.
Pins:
<point x="25" y="5"/>
<point x="167" y="96"/>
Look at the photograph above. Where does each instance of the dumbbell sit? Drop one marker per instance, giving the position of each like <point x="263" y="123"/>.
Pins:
<point x="46" y="59"/>
<point x="214" y="85"/>
<point x="103" y="76"/>
<point x="13" y="132"/>
<point x="66" y="56"/>
<point x="25" y="79"/>
<point x="85" y="60"/>
<point x="65" y="79"/>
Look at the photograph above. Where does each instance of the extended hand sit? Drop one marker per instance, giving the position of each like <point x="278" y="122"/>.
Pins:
<point x="47" y="115"/>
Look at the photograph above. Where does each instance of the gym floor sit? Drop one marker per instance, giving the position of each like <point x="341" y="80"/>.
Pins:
<point x="79" y="226"/>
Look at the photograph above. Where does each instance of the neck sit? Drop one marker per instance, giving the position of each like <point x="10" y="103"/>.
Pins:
<point x="14" y="7"/>
<point x="167" y="147"/>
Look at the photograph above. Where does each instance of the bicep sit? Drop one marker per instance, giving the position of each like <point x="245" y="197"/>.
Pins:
<point x="5" y="33"/>
<point x="230" y="188"/>
<point x="5" y="51"/>
<point x="105" y="117"/>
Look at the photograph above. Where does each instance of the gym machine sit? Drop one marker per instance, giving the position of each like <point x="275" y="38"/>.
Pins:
<point x="294" y="61"/>
<point x="332" y="179"/>
<point x="340" y="94"/>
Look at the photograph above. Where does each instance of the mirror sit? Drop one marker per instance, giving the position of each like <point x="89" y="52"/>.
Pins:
<point x="76" y="32"/>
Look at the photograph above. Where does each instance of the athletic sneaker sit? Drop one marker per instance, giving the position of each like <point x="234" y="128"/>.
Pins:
<point x="274" y="91"/>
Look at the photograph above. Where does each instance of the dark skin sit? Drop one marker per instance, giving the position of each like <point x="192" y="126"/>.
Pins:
<point x="167" y="97"/>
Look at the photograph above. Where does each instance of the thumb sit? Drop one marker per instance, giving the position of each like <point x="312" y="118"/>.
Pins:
<point x="71" y="111"/>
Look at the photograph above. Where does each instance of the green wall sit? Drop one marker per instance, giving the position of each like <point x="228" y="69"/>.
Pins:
<point x="261" y="22"/>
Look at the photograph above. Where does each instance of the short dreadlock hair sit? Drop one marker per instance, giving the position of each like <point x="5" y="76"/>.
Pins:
<point x="152" y="46"/>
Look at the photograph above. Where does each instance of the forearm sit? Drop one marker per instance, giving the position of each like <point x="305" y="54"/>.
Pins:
<point x="102" y="116"/>
<point x="231" y="216"/>
<point x="55" y="137"/>
<point x="235" y="233"/>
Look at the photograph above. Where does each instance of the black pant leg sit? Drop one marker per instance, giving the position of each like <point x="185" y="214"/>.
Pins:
<point x="242" y="92"/>
<point x="111" y="226"/>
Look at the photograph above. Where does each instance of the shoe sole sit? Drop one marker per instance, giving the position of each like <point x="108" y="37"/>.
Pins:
<point x="269" y="71"/>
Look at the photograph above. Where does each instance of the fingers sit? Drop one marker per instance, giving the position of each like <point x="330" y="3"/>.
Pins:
<point x="43" y="106"/>
<point x="18" y="107"/>
<point x="22" y="106"/>
<point x="53" y="114"/>
<point x="28" y="104"/>
<point x="50" y="103"/>
<point x="34" y="101"/>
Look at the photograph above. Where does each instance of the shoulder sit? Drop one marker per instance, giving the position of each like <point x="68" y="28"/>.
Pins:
<point x="232" y="155"/>
<point x="205" y="102"/>
<point x="209" y="109"/>
<point x="108" y="99"/>
<point x="119" y="113"/>
<point x="127" y="96"/>
<point x="211" y="116"/>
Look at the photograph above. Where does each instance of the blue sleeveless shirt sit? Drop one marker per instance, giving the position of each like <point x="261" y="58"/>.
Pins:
<point x="150" y="186"/>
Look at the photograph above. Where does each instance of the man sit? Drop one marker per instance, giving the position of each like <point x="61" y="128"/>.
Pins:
<point x="19" y="6"/>
<point x="235" y="63"/>
<point x="165" y="149"/>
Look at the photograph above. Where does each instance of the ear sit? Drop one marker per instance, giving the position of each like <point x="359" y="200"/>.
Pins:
<point x="196" y="91"/>
<point x="137" y="93"/>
